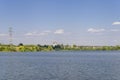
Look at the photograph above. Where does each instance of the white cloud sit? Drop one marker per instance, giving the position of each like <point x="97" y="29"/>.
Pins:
<point x="59" y="31"/>
<point x="3" y="35"/>
<point x="43" y="33"/>
<point x="47" y="31"/>
<point x="37" y="33"/>
<point x="92" y="30"/>
<point x="115" y="30"/>
<point x="29" y="34"/>
<point x="116" y="23"/>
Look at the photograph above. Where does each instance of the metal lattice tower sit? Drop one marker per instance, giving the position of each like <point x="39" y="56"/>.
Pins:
<point x="10" y="35"/>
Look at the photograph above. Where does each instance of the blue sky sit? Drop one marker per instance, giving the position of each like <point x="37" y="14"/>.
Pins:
<point x="81" y="22"/>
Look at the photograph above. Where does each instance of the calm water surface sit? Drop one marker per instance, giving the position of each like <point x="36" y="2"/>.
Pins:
<point x="74" y="65"/>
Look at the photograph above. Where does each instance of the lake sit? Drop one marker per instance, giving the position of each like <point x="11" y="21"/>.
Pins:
<point x="60" y="65"/>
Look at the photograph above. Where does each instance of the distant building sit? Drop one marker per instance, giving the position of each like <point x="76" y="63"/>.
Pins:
<point x="55" y="43"/>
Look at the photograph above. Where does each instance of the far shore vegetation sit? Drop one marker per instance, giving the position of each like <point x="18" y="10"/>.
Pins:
<point x="58" y="47"/>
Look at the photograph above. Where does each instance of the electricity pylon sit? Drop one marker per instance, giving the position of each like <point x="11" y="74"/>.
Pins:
<point x="10" y="35"/>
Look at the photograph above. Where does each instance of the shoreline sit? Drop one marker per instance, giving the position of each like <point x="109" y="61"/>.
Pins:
<point x="58" y="47"/>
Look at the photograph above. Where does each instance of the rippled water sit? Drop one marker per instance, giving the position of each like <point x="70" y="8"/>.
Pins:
<point x="74" y="65"/>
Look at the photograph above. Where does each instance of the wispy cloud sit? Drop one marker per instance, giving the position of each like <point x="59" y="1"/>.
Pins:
<point x="35" y="34"/>
<point x="46" y="32"/>
<point x="29" y="34"/>
<point x="3" y="35"/>
<point x="92" y="30"/>
<point x="116" y="23"/>
<point x="59" y="31"/>
<point x="115" y="30"/>
<point x="38" y="33"/>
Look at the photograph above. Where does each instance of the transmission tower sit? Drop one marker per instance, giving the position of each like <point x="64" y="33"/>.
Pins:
<point x="10" y="35"/>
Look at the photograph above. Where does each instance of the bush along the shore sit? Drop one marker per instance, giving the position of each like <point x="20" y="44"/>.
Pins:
<point x="36" y="48"/>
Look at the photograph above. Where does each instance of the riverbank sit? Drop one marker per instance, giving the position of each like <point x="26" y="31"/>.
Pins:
<point x="58" y="47"/>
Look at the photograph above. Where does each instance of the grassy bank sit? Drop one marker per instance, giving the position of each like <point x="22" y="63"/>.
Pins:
<point x="37" y="48"/>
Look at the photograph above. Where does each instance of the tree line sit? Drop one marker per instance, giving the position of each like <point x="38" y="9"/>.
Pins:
<point x="58" y="47"/>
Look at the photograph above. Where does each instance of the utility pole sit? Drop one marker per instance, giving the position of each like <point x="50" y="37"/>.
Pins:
<point x="10" y="35"/>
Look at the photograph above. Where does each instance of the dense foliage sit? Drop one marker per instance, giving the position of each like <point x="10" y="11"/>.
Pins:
<point x="36" y="48"/>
